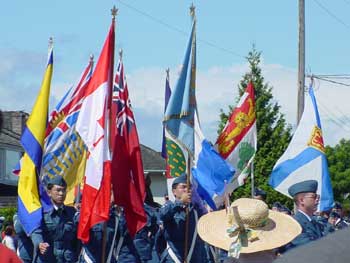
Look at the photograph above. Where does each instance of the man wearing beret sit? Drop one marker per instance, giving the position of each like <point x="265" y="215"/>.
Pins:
<point x="56" y="239"/>
<point x="173" y="216"/>
<point x="306" y="200"/>
<point x="340" y="223"/>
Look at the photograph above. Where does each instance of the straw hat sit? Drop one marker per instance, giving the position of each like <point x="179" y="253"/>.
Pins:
<point x="271" y="229"/>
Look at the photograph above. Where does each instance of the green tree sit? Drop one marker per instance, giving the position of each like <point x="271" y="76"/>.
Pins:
<point x="339" y="169"/>
<point x="273" y="132"/>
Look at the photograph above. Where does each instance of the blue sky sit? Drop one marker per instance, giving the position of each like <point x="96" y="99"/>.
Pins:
<point x="153" y="35"/>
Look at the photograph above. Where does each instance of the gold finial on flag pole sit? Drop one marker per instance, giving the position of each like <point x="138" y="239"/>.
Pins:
<point x="192" y="11"/>
<point x="114" y="12"/>
<point x="91" y="57"/>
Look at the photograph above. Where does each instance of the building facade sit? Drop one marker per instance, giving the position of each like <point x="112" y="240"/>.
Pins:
<point x="11" y="126"/>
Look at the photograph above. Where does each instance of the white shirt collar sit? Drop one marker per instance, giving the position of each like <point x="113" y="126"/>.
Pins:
<point x="57" y="207"/>
<point x="307" y="216"/>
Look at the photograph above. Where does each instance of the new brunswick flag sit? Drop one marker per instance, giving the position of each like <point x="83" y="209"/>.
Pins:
<point x="237" y="141"/>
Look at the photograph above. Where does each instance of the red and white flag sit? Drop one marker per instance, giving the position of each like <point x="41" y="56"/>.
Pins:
<point x="128" y="177"/>
<point x="92" y="126"/>
<point x="237" y="142"/>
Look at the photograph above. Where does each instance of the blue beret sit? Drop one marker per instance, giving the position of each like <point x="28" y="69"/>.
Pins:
<point x="308" y="186"/>
<point x="57" y="180"/>
<point x="258" y="191"/>
<point x="338" y="205"/>
<point x="182" y="179"/>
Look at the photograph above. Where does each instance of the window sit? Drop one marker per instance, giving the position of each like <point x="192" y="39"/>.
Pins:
<point x="9" y="158"/>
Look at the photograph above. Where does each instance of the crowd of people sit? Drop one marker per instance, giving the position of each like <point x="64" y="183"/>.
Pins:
<point x="179" y="231"/>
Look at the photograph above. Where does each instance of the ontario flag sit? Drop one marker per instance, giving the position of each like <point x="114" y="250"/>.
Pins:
<point x="92" y="126"/>
<point x="237" y="142"/>
<point x="128" y="177"/>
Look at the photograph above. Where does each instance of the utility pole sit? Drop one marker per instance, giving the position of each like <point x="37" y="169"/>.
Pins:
<point x="301" y="60"/>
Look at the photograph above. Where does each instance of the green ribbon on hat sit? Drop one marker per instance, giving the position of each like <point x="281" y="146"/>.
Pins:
<point x="240" y="234"/>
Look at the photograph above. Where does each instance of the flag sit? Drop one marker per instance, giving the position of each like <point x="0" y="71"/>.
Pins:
<point x="238" y="140"/>
<point x="166" y="101"/>
<point x="92" y="126"/>
<point x="179" y="115"/>
<point x="128" y="178"/>
<point x="171" y="148"/>
<point x="32" y="197"/>
<point x="64" y="151"/>
<point x="305" y="157"/>
<point x="176" y="161"/>
<point x="210" y="170"/>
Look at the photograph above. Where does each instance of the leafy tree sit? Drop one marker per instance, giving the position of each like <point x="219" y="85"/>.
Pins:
<point x="273" y="133"/>
<point x="339" y="169"/>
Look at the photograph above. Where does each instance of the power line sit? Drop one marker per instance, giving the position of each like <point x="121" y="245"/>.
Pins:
<point x="338" y="112"/>
<point x="332" y="117"/>
<point x="331" y="14"/>
<point x="329" y="80"/>
<point x="178" y="30"/>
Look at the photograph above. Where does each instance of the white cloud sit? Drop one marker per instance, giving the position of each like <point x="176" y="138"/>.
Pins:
<point x="216" y="89"/>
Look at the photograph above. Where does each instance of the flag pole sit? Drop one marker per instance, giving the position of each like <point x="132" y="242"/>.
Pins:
<point x="189" y="161"/>
<point x="252" y="177"/>
<point x="114" y="12"/>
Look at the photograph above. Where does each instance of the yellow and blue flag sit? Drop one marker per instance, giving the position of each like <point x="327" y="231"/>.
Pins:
<point x="32" y="198"/>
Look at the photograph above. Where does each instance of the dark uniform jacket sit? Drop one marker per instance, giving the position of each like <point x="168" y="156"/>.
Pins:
<point x="173" y="216"/>
<point x="311" y="230"/>
<point x="24" y="243"/>
<point x="123" y="250"/>
<point x="144" y="239"/>
<point x="59" y="230"/>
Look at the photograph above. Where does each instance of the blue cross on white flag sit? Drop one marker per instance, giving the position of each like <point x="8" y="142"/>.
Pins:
<point x="305" y="157"/>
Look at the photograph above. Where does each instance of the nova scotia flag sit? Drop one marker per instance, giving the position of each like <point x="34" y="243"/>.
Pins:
<point x="305" y="158"/>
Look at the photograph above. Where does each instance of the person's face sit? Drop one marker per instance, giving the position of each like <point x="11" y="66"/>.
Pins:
<point x="180" y="190"/>
<point x="332" y="220"/>
<point x="57" y="194"/>
<point x="310" y="202"/>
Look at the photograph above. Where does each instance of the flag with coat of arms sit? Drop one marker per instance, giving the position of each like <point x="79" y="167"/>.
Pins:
<point x="237" y="142"/>
<point x="304" y="158"/>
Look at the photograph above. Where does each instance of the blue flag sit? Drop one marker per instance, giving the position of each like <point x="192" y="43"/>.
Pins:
<point x="178" y="119"/>
<point x="210" y="171"/>
<point x="305" y="157"/>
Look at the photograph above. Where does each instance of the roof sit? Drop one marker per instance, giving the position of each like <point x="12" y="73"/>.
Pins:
<point x="8" y="137"/>
<point x="151" y="159"/>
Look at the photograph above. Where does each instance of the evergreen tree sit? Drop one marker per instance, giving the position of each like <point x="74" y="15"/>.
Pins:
<point x="339" y="169"/>
<point x="273" y="133"/>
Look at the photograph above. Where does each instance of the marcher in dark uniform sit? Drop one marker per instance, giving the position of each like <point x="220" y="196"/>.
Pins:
<point x="340" y="223"/>
<point x="144" y="239"/>
<point x="306" y="200"/>
<point x="173" y="216"/>
<point x="335" y="221"/>
<point x="24" y="243"/>
<point x="56" y="239"/>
